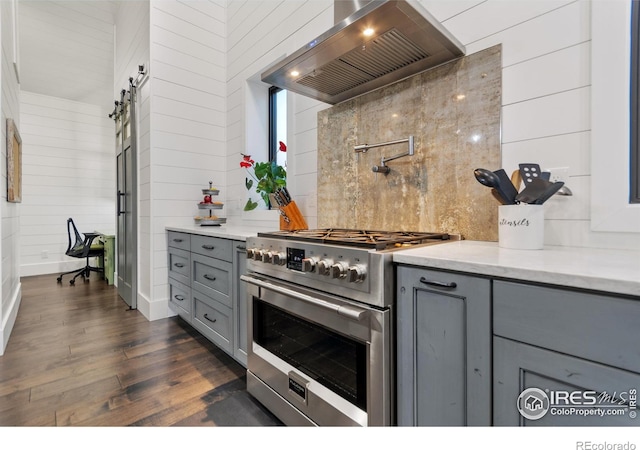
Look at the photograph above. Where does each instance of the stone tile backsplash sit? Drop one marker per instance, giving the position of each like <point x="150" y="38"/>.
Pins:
<point x="453" y="112"/>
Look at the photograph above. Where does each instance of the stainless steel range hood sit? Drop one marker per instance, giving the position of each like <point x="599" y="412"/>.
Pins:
<point x="342" y="63"/>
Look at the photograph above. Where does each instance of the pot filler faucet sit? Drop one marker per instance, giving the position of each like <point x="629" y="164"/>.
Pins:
<point x="383" y="168"/>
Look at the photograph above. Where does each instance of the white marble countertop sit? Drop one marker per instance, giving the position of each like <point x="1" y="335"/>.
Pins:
<point x="605" y="270"/>
<point x="224" y="231"/>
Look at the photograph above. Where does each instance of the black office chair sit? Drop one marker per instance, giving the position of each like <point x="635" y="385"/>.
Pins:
<point x="82" y="248"/>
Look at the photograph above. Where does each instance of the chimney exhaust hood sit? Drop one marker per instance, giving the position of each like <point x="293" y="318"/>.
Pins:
<point x="343" y="62"/>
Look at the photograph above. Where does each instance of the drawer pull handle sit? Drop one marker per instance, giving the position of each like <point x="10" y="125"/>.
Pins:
<point x="179" y="265"/>
<point x="210" y="320"/>
<point x="209" y="277"/>
<point x="177" y="240"/>
<point x="180" y="298"/>
<point x="442" y="284"/>
<point x="208" y="247"/>
<point x="241" y="247"/>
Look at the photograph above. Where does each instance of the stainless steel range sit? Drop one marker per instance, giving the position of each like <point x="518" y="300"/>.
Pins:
<point x="321" y="323"/>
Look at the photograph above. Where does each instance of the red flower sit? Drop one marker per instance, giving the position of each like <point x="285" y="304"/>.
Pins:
<point x="283" y="148"/>
<point x="246" y="161"/>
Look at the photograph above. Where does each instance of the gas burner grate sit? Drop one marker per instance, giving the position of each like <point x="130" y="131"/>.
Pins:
<point x="379" y="240"/>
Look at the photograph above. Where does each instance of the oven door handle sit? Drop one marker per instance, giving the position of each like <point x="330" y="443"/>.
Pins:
<point x="352" y="312"/>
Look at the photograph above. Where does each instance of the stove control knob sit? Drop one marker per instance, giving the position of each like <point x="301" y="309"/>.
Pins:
<point x="356" y="274"/>
<point x="279" y="259"/>
<point x="339" y="269"/>
<point x="267" y="257"/>
<point x="308" y="264"/>
<point x="251" y="253"/>
<point x="324" y="267"/>
<point x="257" y="254"/>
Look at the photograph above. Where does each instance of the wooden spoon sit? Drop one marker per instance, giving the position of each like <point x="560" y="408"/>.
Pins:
<point x="516" y="179"/>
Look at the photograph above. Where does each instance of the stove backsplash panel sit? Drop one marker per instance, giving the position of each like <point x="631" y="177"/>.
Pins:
<point x="453" y="112"/>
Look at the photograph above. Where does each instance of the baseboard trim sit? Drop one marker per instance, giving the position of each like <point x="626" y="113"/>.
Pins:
<point x="10" y="320"/>
<point x="153" y="310"/>
<point x="55" y="267"/>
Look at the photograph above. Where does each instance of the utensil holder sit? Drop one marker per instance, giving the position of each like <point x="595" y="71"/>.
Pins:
<point x="291" y="218"/>
<point x="521" y="226"/>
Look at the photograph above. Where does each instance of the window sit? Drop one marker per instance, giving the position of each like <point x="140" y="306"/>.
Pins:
<point x="635" y="103"/>
<point x="277" y="124"/>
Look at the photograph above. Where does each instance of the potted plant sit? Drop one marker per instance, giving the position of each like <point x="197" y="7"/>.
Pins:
<point x="267" y="176"/>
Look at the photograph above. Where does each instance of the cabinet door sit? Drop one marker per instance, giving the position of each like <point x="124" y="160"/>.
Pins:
<point x="213" y="320"/>
<point x="212" y="277"/>
<point x="179" y="265"/>
<point x="180" y="299"/>
<point x="443" y="348"/>
<point x="240" y="302"/>
<point x="519" y="366"/>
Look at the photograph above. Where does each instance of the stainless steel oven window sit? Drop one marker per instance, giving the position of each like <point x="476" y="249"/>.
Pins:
<point x="337" y="362"/>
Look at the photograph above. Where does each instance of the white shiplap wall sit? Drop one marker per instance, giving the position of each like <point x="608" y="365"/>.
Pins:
<point x="187" y="122"/>
<point x="259" y="34"/>
<point x="68" y="171"/>
<point x="546" y="47"/>
<point x="10" y="294"/>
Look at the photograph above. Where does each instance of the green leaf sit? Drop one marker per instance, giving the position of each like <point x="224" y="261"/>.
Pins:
<point x="248" y="183"/>
<point x="250" y="205"/>
<point x="265" y="198"/>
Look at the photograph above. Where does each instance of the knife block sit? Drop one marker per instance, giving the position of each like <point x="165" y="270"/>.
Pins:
<point x="291" y="218"/>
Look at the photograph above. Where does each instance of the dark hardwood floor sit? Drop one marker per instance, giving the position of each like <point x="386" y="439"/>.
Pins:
<point x="78" y="356"/>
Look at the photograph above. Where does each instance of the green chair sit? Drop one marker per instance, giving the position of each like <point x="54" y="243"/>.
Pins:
<point x="82" y="248"/>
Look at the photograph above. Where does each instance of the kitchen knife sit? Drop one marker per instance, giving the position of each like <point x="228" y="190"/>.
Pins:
<point x="280" y="196"/>
<point x="287" y="196"/>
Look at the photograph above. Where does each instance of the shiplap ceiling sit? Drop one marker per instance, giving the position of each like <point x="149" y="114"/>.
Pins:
<point x="66" y="48"/>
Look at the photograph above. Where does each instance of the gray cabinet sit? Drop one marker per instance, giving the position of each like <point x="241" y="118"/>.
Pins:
<point x="179" y="265"/>
<point x="205" y="288"/>
<point x="579" y="348"/>
<point x="443" y="348"/>
<point x="240" y="303"/>
<point x="598" y="392"/>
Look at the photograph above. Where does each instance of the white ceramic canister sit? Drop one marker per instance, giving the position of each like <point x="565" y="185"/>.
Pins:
<point x="521" y="226"/>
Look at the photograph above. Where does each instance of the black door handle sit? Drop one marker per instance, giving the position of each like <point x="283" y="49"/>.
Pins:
<point x="442" y="284"/>
<point x="119" y="207"/>
<point x="210" y="320"/>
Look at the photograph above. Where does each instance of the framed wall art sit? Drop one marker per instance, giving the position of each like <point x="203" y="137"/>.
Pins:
<point x="14" y="163"/>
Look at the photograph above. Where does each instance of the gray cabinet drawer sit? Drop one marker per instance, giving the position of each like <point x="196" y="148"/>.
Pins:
<point x="180" y="299"/>
<point x="596" y="327"/>
<point x="212" y="246"/>
<point x="213" y="320"/>
<point x="212" y="277"/>
<point x="179" y="265"/>
<point x="179" y="240"/>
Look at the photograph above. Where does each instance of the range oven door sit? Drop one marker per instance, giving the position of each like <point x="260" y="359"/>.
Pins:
<point x="315" y="359"/>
